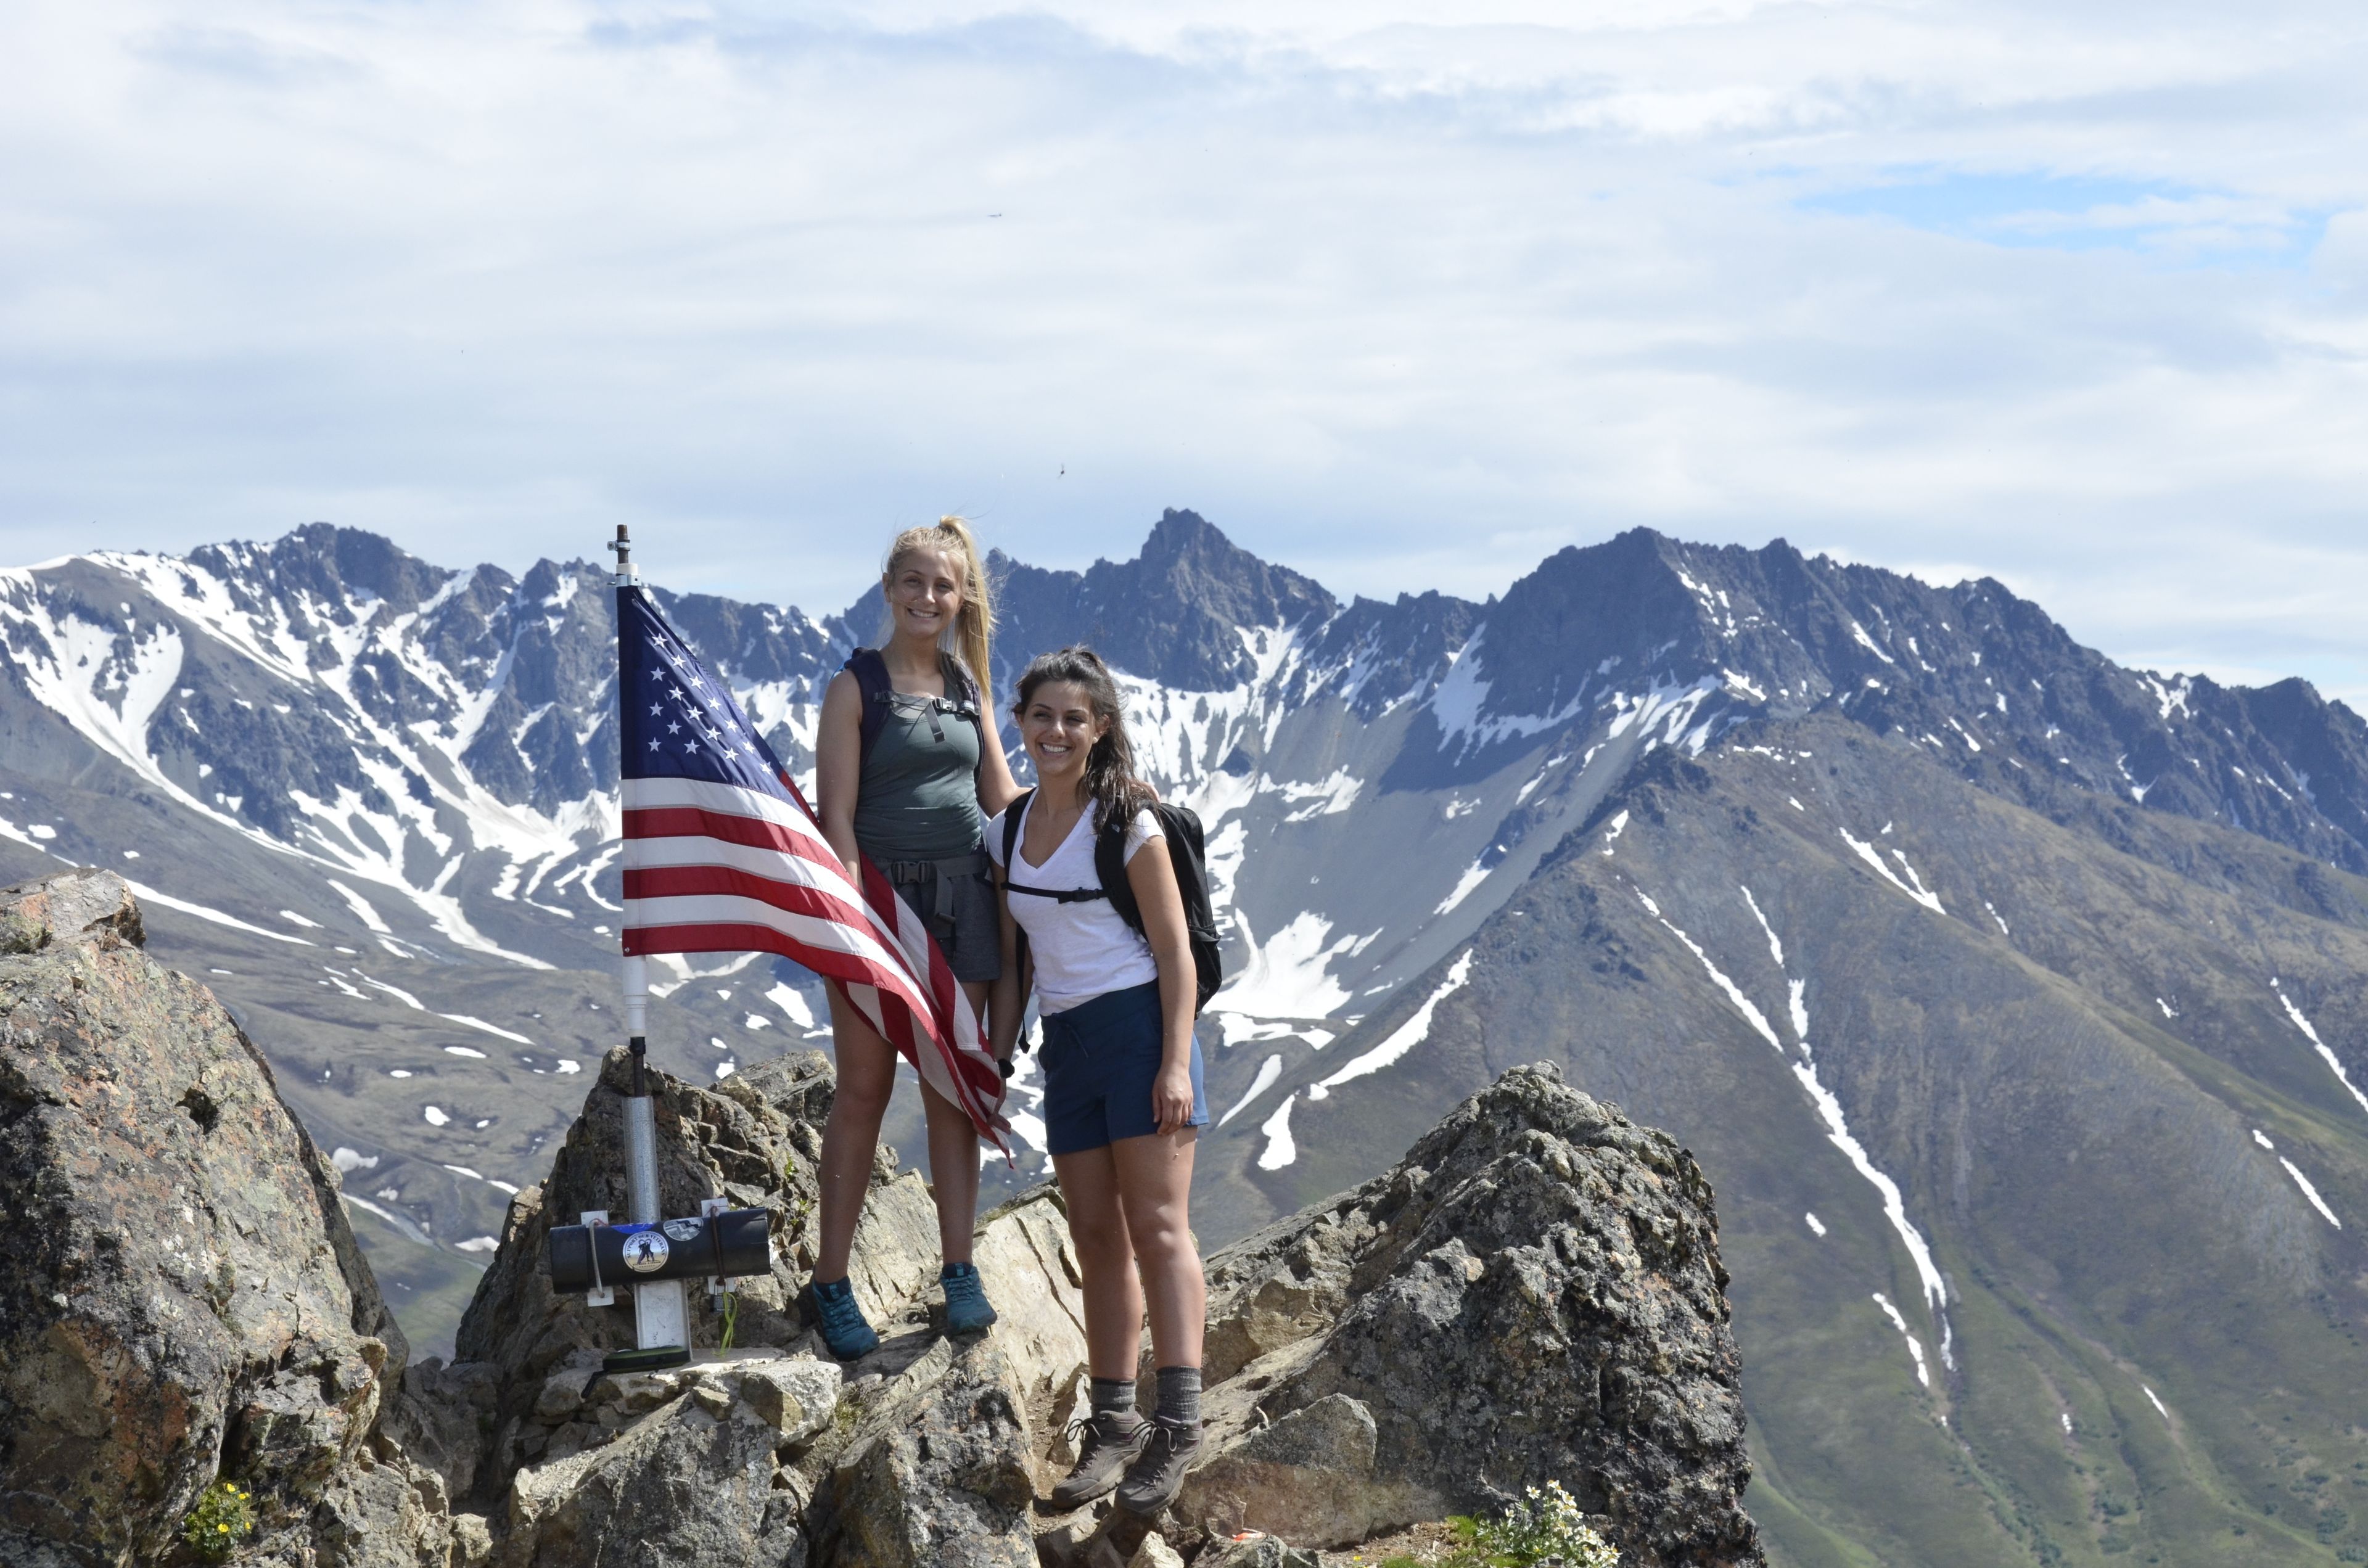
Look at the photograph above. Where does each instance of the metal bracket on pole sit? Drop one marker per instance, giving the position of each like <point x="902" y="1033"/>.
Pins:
<point x="661" y="1315"/>
<point x="710" y="1208"/>
<point x="627" y="575"/>
<point x="602" y="1293"/>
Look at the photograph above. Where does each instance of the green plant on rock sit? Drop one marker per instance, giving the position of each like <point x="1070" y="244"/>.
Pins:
<point x="1545" y="1528"/>
<point x="224" y="1517"/>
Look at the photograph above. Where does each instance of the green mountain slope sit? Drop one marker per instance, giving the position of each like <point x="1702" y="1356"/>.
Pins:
<point x="2071" y="1055"/>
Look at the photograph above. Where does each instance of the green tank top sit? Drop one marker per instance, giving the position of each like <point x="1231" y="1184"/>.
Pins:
<point x="917" y="795"/>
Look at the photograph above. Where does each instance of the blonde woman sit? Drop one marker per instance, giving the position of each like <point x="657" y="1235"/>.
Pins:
<point x="908" y="763"/>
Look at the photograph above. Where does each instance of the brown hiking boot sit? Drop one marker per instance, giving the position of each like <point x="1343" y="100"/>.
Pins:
<point x="1157" y="1475"/>
<point x="1107" y="1444"/>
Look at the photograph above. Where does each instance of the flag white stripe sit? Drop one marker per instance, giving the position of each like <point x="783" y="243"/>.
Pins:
<point x="738" y="909"/>
<point x="731" y="799"/>
<point x="655" y="915"/>
<point x="678" y="850"/>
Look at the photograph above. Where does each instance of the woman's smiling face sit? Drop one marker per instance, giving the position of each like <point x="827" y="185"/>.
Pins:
<point x="924" y="593"/>
<point x="1059" y="727"/>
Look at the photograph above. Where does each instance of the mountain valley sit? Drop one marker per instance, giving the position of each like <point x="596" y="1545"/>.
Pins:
<point x="2014" y="1002"/>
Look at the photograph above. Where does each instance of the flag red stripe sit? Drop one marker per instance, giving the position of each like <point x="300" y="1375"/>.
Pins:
<point x="689" y="881"/>
<point x="756" y="833"/>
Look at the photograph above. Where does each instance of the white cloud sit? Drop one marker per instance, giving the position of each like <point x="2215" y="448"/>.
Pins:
<point x="2075" y="297"/>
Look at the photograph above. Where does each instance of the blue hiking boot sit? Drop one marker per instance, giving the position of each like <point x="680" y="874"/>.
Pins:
<point x="967" y="1309"/>
<point x="843" y="1327"/>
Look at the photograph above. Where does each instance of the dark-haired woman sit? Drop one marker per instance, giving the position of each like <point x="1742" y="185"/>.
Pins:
<point x="911" y="796"/>
<point x="1122" y="1092"/>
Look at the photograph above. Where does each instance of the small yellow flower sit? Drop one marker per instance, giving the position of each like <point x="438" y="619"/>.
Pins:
<point x="225" y="1528"/>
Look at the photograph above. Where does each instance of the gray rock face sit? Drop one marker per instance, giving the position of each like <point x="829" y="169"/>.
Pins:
<point x="183" y="1299"/>
<point x="1534" y="1293"/>
<point x="929" y="1454"/>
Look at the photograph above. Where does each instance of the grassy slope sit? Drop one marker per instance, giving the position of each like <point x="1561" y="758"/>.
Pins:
<point x="2083" y="1167"/>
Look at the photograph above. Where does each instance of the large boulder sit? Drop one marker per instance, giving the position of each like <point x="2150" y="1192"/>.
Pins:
<point x="929" y="1450"/>
<point x="182" y="1299"/>
<point x="1534" y="1294"/>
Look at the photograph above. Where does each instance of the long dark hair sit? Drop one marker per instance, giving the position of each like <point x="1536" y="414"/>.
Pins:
<point x="1110" y="783"/>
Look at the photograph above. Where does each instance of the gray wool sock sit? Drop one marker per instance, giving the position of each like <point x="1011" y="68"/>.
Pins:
<point x="1179" y="1395"/>
<point x="1113" y="1396"/>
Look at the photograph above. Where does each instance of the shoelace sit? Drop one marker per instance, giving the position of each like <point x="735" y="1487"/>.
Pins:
<point x="1085" y="1425"/>
<point x="841" y="1315"/>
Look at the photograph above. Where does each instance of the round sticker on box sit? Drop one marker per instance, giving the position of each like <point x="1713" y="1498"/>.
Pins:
<point x="646" y="1252"/>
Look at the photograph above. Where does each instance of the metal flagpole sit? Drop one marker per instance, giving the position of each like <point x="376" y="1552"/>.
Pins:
<point x="661" y="1314"/>
<point x="652" y="1253"/>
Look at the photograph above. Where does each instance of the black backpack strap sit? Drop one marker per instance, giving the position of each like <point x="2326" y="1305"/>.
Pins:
<point x="961" y="693"/>
<point x="871" y="673"/>
<point x="1011" y="815"/>
<point x="1110" y="865"/>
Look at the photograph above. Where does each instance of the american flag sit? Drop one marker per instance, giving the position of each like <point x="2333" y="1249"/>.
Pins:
<point x="724" y="855"/>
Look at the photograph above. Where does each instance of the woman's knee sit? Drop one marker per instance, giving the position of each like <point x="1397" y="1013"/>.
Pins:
<point x="1161" y="1243"/>
<point x="1100" y="1236"/>
<point x="860" y="1101"/>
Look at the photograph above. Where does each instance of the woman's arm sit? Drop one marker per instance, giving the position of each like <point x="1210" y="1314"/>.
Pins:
<point x="1154" y="882"/>
<point x="839" y="768"/>
<point x="1007" y="998"/>
<point x="996" y="788"/>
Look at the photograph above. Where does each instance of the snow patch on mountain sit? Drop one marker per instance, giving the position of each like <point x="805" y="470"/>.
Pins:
<point x="1915" y="1345"/>
<point x="1279" y="1149"/>
<point x="1269" y="1071"/>
<point x="1866" y="852"/>
<point x="1288" y="975"/>
<point x="1402" y="1039"/>
<point x="2311" y="1034"/>
<point x="206" y="912"/>
<point x="1463" y="696"/>
<point x="1465" y="885"/>
<point x="1668" y="708"/>
<point x="1326" y="797"/>
<point x="1752" y="1014"/>
<point x="1775" y="947"/>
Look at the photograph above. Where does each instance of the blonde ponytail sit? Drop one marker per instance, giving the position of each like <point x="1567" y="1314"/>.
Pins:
<point x="969" y="638"/>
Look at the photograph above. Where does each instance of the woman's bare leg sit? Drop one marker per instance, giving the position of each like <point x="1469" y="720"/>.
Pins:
<point x="866" y="1077"/>
<point x="953" y="1159"/>
<point x="1155" y="1188"/>
<point x="1098" y="1230"/>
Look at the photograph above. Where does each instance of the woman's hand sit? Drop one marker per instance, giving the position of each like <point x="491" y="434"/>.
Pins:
<point x="1171" y="1097"/>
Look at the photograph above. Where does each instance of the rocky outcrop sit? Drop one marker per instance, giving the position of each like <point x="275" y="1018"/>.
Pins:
<point x="182" y="1299"/>
<point x="929" y="1450"/>
<point x="1534" y="1294"/>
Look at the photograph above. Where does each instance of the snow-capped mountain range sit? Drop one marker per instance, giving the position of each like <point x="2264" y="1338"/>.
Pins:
<point x="1672" y="814"/>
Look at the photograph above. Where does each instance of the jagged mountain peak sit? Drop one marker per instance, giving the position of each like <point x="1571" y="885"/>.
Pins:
<point x="1213" y="590"/>
<point x="343" y="569"/>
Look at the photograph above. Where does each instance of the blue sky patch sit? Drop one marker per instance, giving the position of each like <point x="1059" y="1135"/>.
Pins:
<point x="2173" y="223"/>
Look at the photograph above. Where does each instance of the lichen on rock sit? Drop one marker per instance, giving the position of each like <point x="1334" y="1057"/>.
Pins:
<point x="183" y="1299"/>
<point x="1532" y="1294"/>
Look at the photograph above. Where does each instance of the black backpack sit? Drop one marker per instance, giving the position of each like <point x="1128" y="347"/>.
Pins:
<point x="1186" y="852"/>
<point x="871" y="673"/>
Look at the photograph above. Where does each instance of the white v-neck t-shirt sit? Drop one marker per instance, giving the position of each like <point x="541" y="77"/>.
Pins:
<point x="1082" y="949"/>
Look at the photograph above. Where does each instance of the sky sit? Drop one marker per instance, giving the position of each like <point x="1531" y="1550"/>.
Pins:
<point x="1404" y="295"/>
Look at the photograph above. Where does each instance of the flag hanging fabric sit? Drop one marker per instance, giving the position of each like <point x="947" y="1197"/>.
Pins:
<point x="722" y="854"/>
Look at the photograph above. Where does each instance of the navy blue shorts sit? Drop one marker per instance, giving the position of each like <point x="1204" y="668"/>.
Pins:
<point x="1100" y="1059"/>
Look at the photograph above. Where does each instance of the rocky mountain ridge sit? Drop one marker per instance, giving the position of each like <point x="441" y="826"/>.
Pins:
<point x="1890" y="899"/>
<point x="199" y="1316"/>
